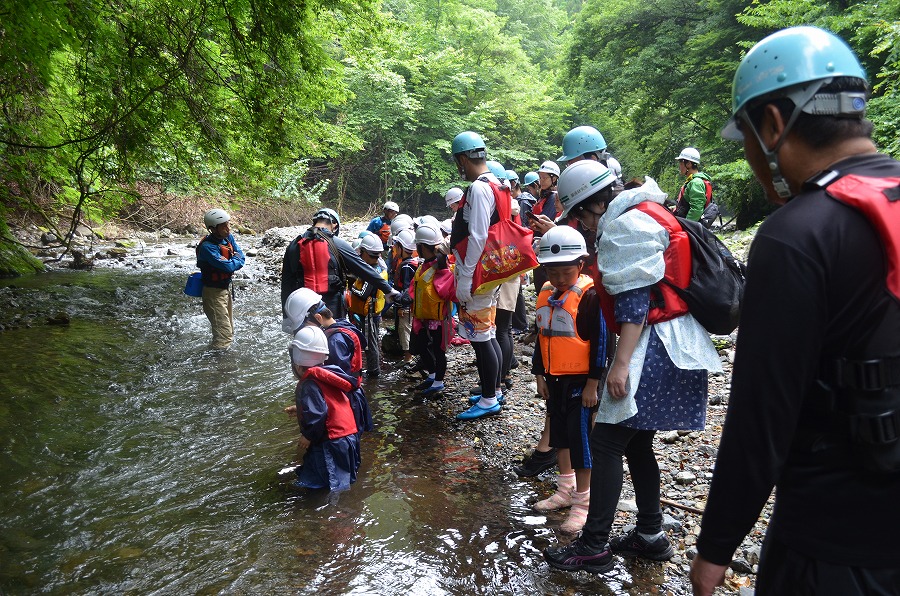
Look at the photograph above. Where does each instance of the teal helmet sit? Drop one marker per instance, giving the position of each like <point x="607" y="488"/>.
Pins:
<point x="795" y="63"/>
<point x="581" y="140"/>
<point x="512" y="176"/>
<point x="469" y="144"/>
<point x="497" y="169"/>
<point x="530" y="178"/>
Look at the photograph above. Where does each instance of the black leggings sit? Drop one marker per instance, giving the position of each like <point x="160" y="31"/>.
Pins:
<point x="487" y="356"/>
<point x="504" y="339"/>
<point x="520" y="320"/>
<point x="432" y="357"/>
<point x="609" y="442"/>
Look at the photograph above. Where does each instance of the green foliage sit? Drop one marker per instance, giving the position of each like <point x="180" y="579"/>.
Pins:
<point x="354" y="102"/>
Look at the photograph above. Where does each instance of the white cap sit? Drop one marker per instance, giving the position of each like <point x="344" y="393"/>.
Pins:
<point x="392" y="206"/>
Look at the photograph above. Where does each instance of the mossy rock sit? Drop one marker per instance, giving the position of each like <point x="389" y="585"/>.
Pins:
<point x="15" y="260"/>
<point x="126" y="243"/>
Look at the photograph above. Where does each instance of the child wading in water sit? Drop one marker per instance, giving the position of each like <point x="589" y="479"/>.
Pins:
<point x="328" y="430"/>
<point x="434" y="289"/>
<point x="568" y="366"/>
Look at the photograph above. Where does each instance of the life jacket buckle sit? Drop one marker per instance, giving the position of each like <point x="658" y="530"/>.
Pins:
<point x="862" y="375"/>
<point x="877" y="429"/>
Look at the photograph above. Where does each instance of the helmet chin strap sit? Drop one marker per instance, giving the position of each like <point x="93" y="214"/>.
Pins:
<point x="800" y="99"/>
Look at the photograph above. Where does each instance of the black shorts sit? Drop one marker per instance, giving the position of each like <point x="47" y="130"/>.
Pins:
<point x="570" y="422"/>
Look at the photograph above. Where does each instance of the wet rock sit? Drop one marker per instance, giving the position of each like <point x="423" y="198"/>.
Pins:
<point x="83" y="231"/>
<point x="80" y="261"/>
<point x="49" y="238"/>
<point x="117" y="251"/>
<point x="691" y="552"/>
<point x="59" y="318"/>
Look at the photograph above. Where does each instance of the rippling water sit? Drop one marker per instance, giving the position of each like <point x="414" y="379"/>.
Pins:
<point x="134" y="460"/>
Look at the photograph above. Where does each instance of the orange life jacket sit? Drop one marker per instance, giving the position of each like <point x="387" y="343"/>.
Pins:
<point x="665" y="303"/>
<point x="385" y="233"/>
<point x="211" y="275"/>
<point x="562" y="350"/>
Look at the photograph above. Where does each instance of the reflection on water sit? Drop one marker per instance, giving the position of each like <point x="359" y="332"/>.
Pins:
<point x="135" y="460"/>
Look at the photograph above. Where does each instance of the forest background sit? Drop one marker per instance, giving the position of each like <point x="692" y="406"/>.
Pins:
<point x="151" y="110"/>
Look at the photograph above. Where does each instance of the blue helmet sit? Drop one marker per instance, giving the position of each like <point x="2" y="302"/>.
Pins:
<point x="497" y="169"/>
<point x="512" y="176"/>
<point x="470" y="144"/>
<point x="581" y="140"/>
<point x="530" y="178"/>
<point x="795" y="63"/>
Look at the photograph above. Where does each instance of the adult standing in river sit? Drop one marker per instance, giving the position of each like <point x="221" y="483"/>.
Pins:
<point x="317" y="259"/>
<point x="218" y="257"/>
<point x="815" y="394"/>
<point x="477" y="312"/>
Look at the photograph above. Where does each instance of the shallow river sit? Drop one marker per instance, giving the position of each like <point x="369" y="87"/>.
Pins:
<point x="134" y="460"/>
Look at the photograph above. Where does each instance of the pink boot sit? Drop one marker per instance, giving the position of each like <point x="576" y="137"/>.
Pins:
<point x="578" y="513"/>
<point x="565" y="485"/>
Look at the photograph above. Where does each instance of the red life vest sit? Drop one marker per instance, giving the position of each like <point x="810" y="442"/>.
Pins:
<point x="356" y="365"/>
<point x="339" y="421"/>
<point x="413" y="262"/>
<point x="706" y="183"/>
<point x="878" y="199"/>
<point x="665" y="304"/>
<point x="315" y="261"/>
<point x="460" y="227"/>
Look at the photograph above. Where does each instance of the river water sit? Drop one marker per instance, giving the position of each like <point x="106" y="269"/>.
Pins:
<point x="134" y="460"/>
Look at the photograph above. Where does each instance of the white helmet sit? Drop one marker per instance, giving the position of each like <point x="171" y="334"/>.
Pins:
<point x="401" y="222"/>
<point x="581" y="180"/>
<point x="356" y="243"/>
<point x="392" y="206"/>
<point x="426" y="220"/>
<point x="372" y="243"/>
<point x="309" y="347"/>
<point x="297" y="307"/>
<point x="551" y="167"/>
<point x="561" y="244"/>
<point x="454" y="195"/>
<point x="429" y="234"/>
<point x="690" y="154"/>
<point x="214" y="217"/>
<point x="407" y="239"/>
<point x="447" y="226"/>
<point x="613" y="164"/>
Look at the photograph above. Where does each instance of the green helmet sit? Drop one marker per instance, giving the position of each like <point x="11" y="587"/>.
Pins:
<point x="782" y="65"/>
<point x="497" y="169"/>
<point x="581" y="140"/>
<point x="469" y="144"/>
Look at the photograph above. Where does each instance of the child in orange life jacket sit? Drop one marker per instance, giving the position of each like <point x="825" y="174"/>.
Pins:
<point x="346" y="345"/>
<point x="433" y="291"/>
<point x="403" y="278"/>
<point x="365" y="303"/>
<point x="328" y="429"/>
<point x="568" y="366"/>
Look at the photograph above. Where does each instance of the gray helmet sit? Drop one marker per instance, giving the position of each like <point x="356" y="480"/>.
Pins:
<point x="330" y="215"/>
<point x="214" y="217"/>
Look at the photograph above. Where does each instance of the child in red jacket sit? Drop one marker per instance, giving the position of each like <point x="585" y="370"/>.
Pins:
<point x="328" y="429"/>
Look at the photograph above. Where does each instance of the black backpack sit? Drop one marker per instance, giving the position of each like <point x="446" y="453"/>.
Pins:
<point x="716" y="287"/>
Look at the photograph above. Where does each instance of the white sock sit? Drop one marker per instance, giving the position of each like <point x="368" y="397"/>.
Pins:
<point x="487" y="402"/>
<point x="431" y="376"/>
<point x="437" y="385"/>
